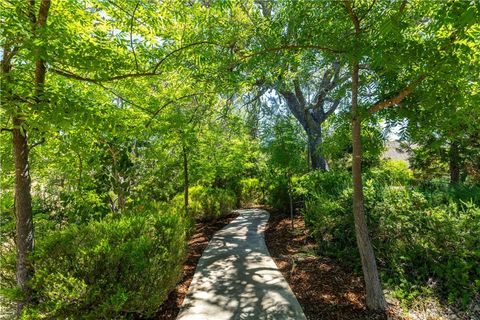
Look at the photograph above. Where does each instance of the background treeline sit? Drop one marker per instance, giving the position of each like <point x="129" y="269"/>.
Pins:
<point x="124" y="122"/>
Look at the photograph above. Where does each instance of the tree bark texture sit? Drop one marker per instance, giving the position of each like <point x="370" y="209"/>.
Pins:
<point x="23" y="212"/>
<point x="23" y="196"/>
<point x="311" y="117"/>
<point x="375" y="296"/>
<point x="373" y="287"/>
<point x="454" y="163"/>
<point x="317" y="161"/>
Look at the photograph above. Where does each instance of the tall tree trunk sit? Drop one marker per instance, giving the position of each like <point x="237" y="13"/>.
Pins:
<point x="23" y="199"/>
<point x="375" y="296"/>
<point x="23" y="196"/>
<point x="310" y="118"/>
<point x="454" y="163"/>
<point x="23" y="212"/>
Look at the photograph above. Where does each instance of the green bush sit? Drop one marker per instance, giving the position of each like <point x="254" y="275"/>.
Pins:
<point x="392" y="172"/>
<point x="277" y="192"/>
<point x="251" y="191"/>
<point x="441" y="192"/>
<point x="207" y="203"/>
<point x="327" y="198"/>
<point x="419" y="243"/>
<point x="118" y="267"/>
<point x="426" y="239"/>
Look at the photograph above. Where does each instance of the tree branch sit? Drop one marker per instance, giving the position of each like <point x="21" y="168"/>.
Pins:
<point x="167" y="104"/>
<point x="299" y="93"/>
<point x="131" y="36"/>
<point x="291" y="47"/>
<point x="328" y="83"/>
<point x="402" y="6"/>
<point x="261" y="92"/>
<point x="332" y="109"/>
<point x="37" y="144"/>
<point x="71" y="75"/>
<point x="368" y="10"/>
<point x="181" y="49"/>
<point x="353" y="16"/>
<point x="398" y="98"/>
<point x="40" y="68"/>
<point x="122" y="97"/>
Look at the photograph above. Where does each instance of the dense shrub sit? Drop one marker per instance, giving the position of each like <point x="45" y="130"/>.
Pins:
<point x="423" y="244"/>
<point x="425" y="239"/>
<point x="441" y="192"/>
<point x="251" y="191"/>
<point x="277" y="191"/>
<point x="118" y="267"/>
<point x="207" y="203"/>
<point x="327" y="197"/>
<point x="392" y="172"/>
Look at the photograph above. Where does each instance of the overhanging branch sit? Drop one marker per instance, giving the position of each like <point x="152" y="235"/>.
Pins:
<point x="291" y="47"/>
<point x="169" y="102"/>
<point x="405" y="92"/>
<point x="71" y="75"/>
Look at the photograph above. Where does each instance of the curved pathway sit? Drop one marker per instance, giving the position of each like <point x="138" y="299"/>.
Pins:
<point x="237" y="279"/>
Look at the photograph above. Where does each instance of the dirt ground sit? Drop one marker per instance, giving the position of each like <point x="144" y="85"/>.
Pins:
<point x="325" y="288"/>
<point x="204" y="231"/>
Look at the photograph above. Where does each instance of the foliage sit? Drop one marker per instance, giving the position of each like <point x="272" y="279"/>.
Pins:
<point x="426" y="238"/>
<point x="252" y="192"/>
<point x="285" y="145"/>
<point x="392" y="172"/>
<point x="116" y="267"/>
<point x="142" y="100"/>
<point x="206" y="203"/>
<point x="338" y="145"/>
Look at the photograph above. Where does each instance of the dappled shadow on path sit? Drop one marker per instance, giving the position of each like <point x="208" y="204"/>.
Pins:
<point x="237" y="279"/>
<point x="201" y="235"/>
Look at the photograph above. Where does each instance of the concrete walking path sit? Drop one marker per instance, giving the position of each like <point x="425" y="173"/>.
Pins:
<point x="237" y="279"/>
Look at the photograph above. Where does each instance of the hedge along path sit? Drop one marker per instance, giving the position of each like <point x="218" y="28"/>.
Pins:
<point x="236" y="278"/>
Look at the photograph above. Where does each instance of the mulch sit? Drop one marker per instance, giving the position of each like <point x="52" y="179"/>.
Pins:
<point x="324" y="287"/>
<point x="204" y="231"/>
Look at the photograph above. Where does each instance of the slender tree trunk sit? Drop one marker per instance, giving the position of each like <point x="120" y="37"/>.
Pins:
<point x="185" y="176"/>
<point x="291" y="201"/>
<point x="116" y="183"/>
<point x="23" y="213"/>
<point x="375" y="296"/>
<point x="454" y="164"/>
<point x="23" y="199"/>
<point x="23" y="196"/>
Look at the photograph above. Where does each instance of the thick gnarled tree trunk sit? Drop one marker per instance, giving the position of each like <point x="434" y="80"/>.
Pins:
<point x="311" y="115"/>
<point x="317" y="161"/>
